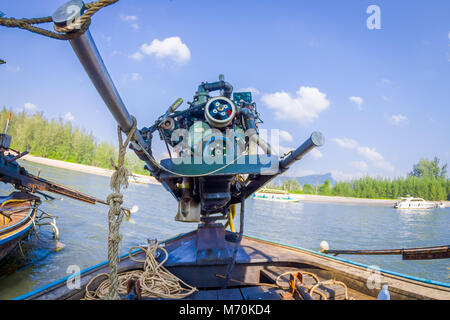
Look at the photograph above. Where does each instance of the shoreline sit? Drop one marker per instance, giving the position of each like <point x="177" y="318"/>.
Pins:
<point x="346" y="200"/>
<point x="137" y="178"/>
<point x="355" y="201"/>
<point x="150" y="180"/>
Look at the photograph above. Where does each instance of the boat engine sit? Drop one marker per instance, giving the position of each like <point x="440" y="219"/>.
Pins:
<point x="217" y="156"/>
<point x="203" y="141"/>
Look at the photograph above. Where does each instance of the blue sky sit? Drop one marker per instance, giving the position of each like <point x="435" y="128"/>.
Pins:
<point x="381" y="97"/>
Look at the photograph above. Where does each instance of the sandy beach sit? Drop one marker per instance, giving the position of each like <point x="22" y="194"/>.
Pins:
<point x="344" y="200"/>
<point x="138" y="178"/>
<point x="147" y="179"/>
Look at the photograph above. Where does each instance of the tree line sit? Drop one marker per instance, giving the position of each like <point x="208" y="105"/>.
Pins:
<point x="61" y="140"/>
<point x="427" y="180"/>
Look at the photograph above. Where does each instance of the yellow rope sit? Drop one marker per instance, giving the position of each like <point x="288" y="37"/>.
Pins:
<point x="231" y="216"/>
<point x="71" y="31"/>
<point x="155" y="280"/>
<point x="313" y="289"/>
<point x="92" y="9"/>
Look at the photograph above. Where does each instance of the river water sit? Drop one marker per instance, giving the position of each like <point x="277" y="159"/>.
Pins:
<point x="83" y="230"/>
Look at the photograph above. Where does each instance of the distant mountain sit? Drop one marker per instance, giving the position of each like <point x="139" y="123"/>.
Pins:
<point x="314" y="179"/>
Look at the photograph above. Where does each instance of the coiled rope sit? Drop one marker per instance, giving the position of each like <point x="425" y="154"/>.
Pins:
<point x="71" y="31"/>
<point x="310" y="289"/>
<point x="154" y="280"/>
<point x="313" y="289"/>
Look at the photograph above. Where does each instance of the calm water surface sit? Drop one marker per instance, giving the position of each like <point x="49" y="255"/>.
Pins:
<point x="83" y="230"/>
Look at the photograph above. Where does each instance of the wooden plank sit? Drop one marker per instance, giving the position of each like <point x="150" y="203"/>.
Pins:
<point x="261" y="293"/>
<point x="230" y="294"/>
<point x="220" y="294"/>
<point x="353" y="275"/>
<point x="331" y="292"/>
<point x="205" y="295"/>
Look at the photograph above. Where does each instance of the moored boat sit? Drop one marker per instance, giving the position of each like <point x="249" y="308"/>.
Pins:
<point x="262" y="272"/>
<point x="208" y="175"/>
<point x="17" y="216"/>
<point x="414" y="203"/>
<point x="276" y="195"/>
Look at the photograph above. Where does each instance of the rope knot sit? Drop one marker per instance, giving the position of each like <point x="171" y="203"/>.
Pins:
<point x="116" y="213"/>
<point x="115" y="199"/>
<point x="115" y="238"/>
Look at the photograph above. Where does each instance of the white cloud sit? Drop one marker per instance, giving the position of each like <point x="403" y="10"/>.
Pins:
<point x="172" y="48"/>
<point x="30" y="107"/>
<point x="285" y="136"/>
<point x="376" y="158"/>
<point x="281" y="150"/>
<point x="12" y="68"/>
<point x="130" y="19"/>
<point x="299" y="172"/>
<point x="346" y="143"/>
<point x="370" y="153"/>
<point x="69" y="117"/>
<point x="385" y="165"/>
<point x="316" y="154"/>
<point x="397" y="119"/>
<point x="136" y="56"/>
<point x="305" y="107"/>
<point x="448" y="52"/>
<point x="342" y="176"/>
<point x="360" y="165"/>
<point x="133" y="76"/>
<point x="357" y="100"/>
<point x="254" y="91"/>
<point x="385" y="81"/>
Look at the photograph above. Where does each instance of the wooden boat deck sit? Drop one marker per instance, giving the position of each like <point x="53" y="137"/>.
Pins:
<point x="258" y="261"/>
<point x="15" y="226"/>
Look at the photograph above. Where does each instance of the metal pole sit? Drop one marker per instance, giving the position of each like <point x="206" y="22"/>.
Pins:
<point x="87" y="52"/>
<point x="316" y="140"/>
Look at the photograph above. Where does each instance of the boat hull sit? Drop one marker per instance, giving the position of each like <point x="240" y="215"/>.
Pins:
<point x="23" y="208"/>
<point x="426" y="207"/>
<point x="276" y="197"/>
<point x="258" y="261"/>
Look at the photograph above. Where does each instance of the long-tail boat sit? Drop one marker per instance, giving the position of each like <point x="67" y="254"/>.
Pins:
<point x="208" y="174"/>
<point x="18" y="210"/>
<point x="17" y="215"/>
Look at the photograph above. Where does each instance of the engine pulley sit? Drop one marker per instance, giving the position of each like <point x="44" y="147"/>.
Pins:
<point x="220" y="112"/>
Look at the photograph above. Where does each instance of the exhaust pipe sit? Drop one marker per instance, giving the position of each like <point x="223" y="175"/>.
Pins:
<point x="316" y="140"/>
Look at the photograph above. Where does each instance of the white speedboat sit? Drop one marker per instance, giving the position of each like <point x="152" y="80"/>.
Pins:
<point x="414" y="203"/>
<point x="276" y="195"/>
<point x="441" y="205"/>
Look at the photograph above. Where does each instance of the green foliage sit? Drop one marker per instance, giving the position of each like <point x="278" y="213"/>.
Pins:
<point x="59" y="140"/>
<point x="427" y="168"/>
<point x="308" y="189"/>
<point x="325" y="188"/>
<point x="428" y="180"/>
<point x="291" y="184"/>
